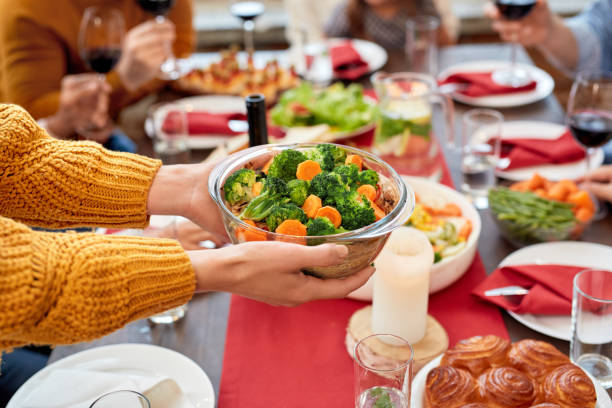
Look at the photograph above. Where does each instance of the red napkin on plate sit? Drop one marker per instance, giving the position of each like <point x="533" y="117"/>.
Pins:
<point x="550" y="288"/>
<point x="535" y="152"/>
<point x="205" y="123"/>
<point x="346" y="61"/>
<point x="482" y="84"/>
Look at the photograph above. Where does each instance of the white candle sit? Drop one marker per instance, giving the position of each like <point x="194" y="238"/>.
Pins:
<point x="401" y="285"/>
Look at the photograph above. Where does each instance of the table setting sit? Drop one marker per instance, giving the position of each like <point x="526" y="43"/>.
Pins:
<point x="493" y="284"/>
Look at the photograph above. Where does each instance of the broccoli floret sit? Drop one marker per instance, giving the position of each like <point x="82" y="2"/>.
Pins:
<point x="327" y="155"/>
<point x="368" y="177"/>
<point x="326" y="186"/>
<point x="285" y="211"/>
<point x="284" y="165"/>
<point x="348" y="172"/>
<point x="355" y="210"/>
<point x="320" y="226"/>
<point x="273" y="191"/>
<point x="298" y="191"/>
<point x="336" y="152"/>
<point x="238" y="187"/>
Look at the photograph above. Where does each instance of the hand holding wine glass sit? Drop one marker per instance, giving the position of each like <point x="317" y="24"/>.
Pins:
<point x="532" y="29"/>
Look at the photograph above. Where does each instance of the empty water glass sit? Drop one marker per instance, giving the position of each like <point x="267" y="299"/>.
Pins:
<point x="480" y="152"/>
<point x="591" y="344"/>
<point x="422" y="44"/>
<point x="170" y="128"/>
<point x="123" y="399"/>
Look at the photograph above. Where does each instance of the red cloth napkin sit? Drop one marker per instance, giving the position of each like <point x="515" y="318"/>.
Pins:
<point x="205" y="123"/>
<point x="346" y="62"/>
<point x="296" y="357"/>
<point x="535" y="152"/>
<point x="482" y="84"/>
<point x="550" y="287"/>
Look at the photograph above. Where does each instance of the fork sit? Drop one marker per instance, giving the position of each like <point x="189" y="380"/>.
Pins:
<point x="513" y="294"/>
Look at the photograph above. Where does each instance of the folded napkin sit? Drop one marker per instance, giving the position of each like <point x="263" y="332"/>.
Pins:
<point x="482" y="84"/>
<point x="550" y="288"/>
<point x="80" y="386"/>
<point x="205" y="123"/>
<point x="346" y="61"/>
<point x="535" y="152"/>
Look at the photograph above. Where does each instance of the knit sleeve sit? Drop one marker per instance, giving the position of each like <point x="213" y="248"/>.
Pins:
<point x="56" y="184"/>
<point x="62" y="288"/>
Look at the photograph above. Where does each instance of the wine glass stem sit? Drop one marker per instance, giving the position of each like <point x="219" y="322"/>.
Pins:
<point x="248" y="27"/>
<point x="513" y="48"/>
<point x="161" y="20"/>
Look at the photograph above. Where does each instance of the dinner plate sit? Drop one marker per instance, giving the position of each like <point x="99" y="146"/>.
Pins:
<point x="544" y="87"/>
<point x="371" y="53"/>
<point x="544" y="131"/>
<point x="573" y="253"/>
<point x="137" y="358"/>
<point x="418" y="387"/>
<point x="450" y="269"/>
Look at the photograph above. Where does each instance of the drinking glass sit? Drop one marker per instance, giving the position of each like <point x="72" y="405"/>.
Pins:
<point x="589" y="115"/>
<point x="591" y="344"/>
<point x="513" y="10"/>
<point x="480" y="152"/>
<point x="170" y="69"/>
<point x="100" y="39"/>
<point x="123" y="399"/>
<point x="422" y="44"/>
<point x="381" y="384"/>
<point x="170" y="133"/>
<point x="247" y="11"/>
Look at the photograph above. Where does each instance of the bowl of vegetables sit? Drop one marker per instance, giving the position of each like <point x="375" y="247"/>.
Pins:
<point x="312" y="194"/>
<point x="539" y="210"/>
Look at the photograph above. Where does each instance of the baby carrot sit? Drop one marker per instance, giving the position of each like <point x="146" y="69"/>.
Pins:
<point x="331" y="214"/>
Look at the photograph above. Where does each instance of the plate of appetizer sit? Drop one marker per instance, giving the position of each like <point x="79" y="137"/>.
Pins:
<point x="452" y="225"/>
<point x="488" y="369"/>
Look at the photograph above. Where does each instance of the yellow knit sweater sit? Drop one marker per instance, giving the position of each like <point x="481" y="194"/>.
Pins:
<point x="60" y="288"/>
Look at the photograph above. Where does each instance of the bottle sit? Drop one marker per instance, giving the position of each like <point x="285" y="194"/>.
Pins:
<point x="256" y="117"/>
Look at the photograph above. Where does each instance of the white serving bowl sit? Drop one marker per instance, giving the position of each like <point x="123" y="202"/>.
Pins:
<point x="450" y="269"/>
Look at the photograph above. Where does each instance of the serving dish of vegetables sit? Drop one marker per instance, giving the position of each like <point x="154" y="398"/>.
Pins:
<point x="312" y="194"/>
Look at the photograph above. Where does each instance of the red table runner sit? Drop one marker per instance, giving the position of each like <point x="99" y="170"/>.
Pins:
<point x="296" y="357"/>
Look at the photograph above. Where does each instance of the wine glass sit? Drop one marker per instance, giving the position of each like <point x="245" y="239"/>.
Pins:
<point x="589" y="115"/>
<point x="247" y="11"/>
<point x="123" y="399"/>
<point x="100" y="38"/>
<point x="513" y="76"/>
<point x="170" y="69"/>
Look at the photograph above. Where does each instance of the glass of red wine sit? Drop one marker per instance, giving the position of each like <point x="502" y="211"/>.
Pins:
<point x="170" y="69"/>
<point x="589" y="115"/>
<point x="247" y="11"/>
<point x="100" y="40"/>
<point x="513" y="76"/>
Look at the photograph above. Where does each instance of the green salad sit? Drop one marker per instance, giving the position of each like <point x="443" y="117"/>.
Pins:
<point x="343" y="108"/>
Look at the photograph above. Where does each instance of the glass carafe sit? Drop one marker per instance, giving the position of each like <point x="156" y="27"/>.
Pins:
<point x="404" y="132"/>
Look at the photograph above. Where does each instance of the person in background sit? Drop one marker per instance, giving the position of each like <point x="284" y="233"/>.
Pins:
<point x="41" y="68"/>
<point x="62" y="288"/>
<point x="384" y="21"/>
<point x="579" y="43"/>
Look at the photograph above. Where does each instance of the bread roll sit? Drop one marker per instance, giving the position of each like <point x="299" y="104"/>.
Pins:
<point x="569" y="387"/>
<point x="477" y="354"/>
<point x="449" y="387"/>
<point x="535" y="358"/>
<point x="506" y="387"/>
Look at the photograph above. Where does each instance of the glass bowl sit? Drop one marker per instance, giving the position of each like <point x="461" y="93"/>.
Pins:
<point x="363" y="244"/>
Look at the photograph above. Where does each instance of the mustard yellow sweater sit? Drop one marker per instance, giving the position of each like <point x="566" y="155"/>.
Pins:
<point x="60" y="288"/>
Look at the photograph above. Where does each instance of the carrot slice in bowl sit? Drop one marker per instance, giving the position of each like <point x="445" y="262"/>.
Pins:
<point x="331" y="214"/>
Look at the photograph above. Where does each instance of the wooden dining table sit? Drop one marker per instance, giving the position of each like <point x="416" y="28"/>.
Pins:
<point x="200" y="335"/>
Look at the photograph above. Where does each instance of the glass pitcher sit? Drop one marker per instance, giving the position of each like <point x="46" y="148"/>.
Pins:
<point x="404" y="132"/>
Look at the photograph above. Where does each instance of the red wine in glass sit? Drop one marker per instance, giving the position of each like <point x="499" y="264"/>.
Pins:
<point x="156" y="7"/>
<point x="102" y="59"/>
<point x="591" y="128"/>
<point x="247" y="10"/>
<point x="514" y="9"/>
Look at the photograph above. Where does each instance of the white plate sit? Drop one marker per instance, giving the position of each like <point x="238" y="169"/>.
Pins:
<point x="137" y="357"/>
<point x="448" y="270"/>
<point x="418" y="388"/>
<point x="561" y="253"/>
<point x="544" y="131"/>
<point x="211" y="104"/>
<point x="545" y="85"/>
<point x="373" y="54"/>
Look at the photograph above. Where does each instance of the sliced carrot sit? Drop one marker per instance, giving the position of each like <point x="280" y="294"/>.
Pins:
<point x="291" y="227"/>
<point x="306" y="170"/>
<point x="449" y="210"/>
<point x="354" y="159"/>
<point x="312" y="205"/>
<point x="520" y="186"/>
<point x="535" y="182"/>
<point x="249" y="234"/>
<point x="569" y="185"/>
<point x="540" y="192"/>
<point x="581" y="199"/>
<point x="331" y="214"/>
<point x="465" y="230"/>
<point x="368" y="191"/>
<point x="266" y="166"/>
<point x="257" y="188"/>
<point x="558" y="192"/>
<point x="584" y="214"/>
<point x="378" y="212"/>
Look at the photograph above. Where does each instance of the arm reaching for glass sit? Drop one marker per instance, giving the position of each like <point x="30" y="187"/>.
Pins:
<point x="599" y="182"/>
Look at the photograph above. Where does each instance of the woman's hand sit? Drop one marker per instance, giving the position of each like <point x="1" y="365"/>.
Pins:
<point x="534" y="28"/>
<point x="599" y="182"/>
<point x="188" y="234"/>
<point x="270" y="272"/>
